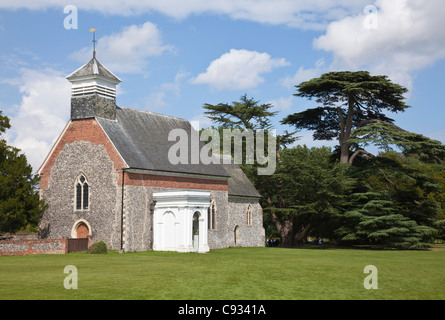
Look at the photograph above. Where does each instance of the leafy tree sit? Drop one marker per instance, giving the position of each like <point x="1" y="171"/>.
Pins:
<point x="437" y="172"/>
<point x="387" y="135"/>
<point x="252" y="121"/>
<point x="345" y="100"/>
<point x="20" y="206"/>
<point x="4" y="123"/>
<point x="244" y="114"/>
<point x="305" y="194"/>
<point x="247" y="114"/>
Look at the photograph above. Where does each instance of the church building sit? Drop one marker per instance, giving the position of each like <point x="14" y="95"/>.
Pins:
<point x="108" y="177"/>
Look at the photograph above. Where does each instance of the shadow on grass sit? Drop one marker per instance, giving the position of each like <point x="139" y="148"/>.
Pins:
<point x="355" y="247"/>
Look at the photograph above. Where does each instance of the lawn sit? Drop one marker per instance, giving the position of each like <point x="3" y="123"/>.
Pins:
<point x="227" y="274"/>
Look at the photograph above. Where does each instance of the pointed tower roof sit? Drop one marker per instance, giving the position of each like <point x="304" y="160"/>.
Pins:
<point x="93" y="78"/>
<point x="93" y="68"/>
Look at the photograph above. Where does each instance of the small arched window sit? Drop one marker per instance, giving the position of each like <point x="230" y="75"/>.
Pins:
<point x="82" y="193"/>
<point x="211" y="215"/>
<point x="249" y="215"/>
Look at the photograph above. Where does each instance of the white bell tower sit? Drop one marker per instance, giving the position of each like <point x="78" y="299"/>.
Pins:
<point x="93" y="90"/>
<point x="93" y="78"/>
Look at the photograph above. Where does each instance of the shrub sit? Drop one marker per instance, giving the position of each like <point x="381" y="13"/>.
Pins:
<point x="98" y="247"/>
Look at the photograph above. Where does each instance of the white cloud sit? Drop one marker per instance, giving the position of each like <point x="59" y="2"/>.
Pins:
<point x="314" y="14"/>
<point x="303" y="74"/>
<point x="306" y="138"/>
<point x="41" y="115"/>
<point x="282" y="104"/>
<point x="238" y="69"/>
<point x="128" y="50"/>
<point x="408" y="37"/>
<point x="201" y="121"/>
<point x="159" y="97"/>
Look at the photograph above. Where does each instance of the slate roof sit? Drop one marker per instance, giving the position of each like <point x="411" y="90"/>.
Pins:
<point x="239" y="184"/>
<point x="141" y="138"/>
<point x="93" y="67"/>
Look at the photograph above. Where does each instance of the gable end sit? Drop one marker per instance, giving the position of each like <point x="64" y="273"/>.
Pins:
<point x="79" y="130"/>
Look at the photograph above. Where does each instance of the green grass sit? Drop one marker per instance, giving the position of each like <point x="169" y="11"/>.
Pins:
<point x="227" y="274"/>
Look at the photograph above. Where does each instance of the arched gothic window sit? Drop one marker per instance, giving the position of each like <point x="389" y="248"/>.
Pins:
<point x="211" y="215"/>
<point x="82" y="193"/>
<point x="249" y="215"/>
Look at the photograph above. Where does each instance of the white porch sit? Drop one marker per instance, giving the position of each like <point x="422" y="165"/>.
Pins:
<point x="180" y="221"/>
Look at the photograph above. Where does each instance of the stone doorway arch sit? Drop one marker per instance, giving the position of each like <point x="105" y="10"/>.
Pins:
<point x="81" y="229"/>
<point x="236" y="235"/>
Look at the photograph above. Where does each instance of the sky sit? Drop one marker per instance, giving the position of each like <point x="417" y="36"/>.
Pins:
<point x="173" y="56"/>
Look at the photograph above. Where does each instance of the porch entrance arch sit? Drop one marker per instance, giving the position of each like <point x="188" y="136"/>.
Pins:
<point x="195" y="231"/>
<point x="168" y="230"/>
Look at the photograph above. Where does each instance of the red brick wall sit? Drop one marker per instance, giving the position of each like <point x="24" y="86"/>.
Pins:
<point x="148" y="180"/>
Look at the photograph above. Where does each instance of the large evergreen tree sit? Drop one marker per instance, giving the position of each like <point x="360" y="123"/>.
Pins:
<point x="387" y="136"/>
<point x="375" y="220"/>
<point x="20" y="206"/>
<point x="345" y="100"/>
<point x="244" y="114"/>
<point x="392" y="204"/>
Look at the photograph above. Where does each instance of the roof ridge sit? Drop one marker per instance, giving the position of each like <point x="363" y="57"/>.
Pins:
<point x="151" y="112"/>
<point x="97" y="69"/>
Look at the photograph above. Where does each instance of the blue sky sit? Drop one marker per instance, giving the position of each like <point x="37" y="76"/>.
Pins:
<point x="173" y="56"/>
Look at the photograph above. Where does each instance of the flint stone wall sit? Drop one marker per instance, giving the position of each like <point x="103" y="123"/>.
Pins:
<point x="249" y="236"/>
<point x="39" y="246"/>
<point x="104" y="212"/>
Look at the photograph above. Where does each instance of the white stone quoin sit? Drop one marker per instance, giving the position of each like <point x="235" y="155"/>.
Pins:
<point x="180" y="221"/>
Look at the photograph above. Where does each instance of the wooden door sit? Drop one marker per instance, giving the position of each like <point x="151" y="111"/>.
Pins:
<point x="82" y="231"/>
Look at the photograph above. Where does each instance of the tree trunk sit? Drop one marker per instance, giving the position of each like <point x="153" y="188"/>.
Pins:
<point x="300" y="236"/>
<point x="344" y="151"/>
<point x="346" y="129"/>
<point x="284" y="228"/>
<point x="286" y="233"/>
<point x="356" y="153"/>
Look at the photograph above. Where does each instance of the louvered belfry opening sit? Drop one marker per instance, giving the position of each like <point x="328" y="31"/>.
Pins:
<point x="93" y="91"/>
